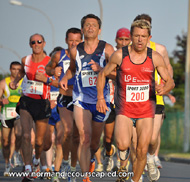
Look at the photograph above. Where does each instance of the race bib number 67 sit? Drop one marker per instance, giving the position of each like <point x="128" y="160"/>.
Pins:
<point x="137" y="93"/>
<point x="89" y="78"/>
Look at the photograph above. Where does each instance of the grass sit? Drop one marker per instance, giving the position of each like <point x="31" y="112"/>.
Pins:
<point x="175" y="154"/>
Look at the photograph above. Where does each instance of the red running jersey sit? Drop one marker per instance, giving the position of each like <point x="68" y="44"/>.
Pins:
<point x="32" y="87"/>
<point x="135" y="90"/>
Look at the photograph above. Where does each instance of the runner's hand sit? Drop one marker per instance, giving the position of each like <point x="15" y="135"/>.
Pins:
<point x="58" y="71"/>
<point x="159" y="89"/>
<point x="63" y="83"/>
<point x="41" y="77"/>
<point x="101" y="106"/>
<point x="95" y="66"/>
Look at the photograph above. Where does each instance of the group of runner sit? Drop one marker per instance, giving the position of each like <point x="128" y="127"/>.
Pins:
<point x="81" y="91"/>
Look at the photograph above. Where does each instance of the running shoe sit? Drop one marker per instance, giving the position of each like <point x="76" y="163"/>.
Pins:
<point x="16" y="158"/>
<point x="108" y="161"/>
<point x="55" y="179"/>
<point x="92" y="165"/>
<point x="35" y="169"/>
<point x="122" y="174"/>
<point x="8" y="169"/>
<point x="141" y="179"/>
<point x="86" y="179"/>
<point x="65" y="168"/>
<point x="157" y="162"/>
<point x="46" y="173"/>
<point x="153" y="171"/>
<point x="28" y="176"/>
<point x="146" y="168"/>
<point x="99" y="168"/>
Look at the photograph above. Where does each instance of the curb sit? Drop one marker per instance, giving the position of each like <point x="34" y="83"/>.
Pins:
<point x="173" y="159"/>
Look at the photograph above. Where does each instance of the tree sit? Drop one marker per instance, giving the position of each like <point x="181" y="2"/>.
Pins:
<point x="178" y="63"/>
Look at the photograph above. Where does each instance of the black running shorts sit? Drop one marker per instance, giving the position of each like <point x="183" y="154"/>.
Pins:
<point x="112" y="115"/>
<point x="160" y="109"/>
<point x="38" y="108"/>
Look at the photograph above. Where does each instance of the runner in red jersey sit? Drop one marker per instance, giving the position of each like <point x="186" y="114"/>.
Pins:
<point x="34" y="104"/>
<point x="36" y="90"/>
<point x="135" y="91"/>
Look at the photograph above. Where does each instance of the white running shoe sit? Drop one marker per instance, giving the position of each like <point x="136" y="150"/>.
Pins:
<point x="16" y="159"/>
<point x="157" y="162"/>
<point x="141" y="179"/>
<point x="153" y="171"/>
<point x="108" y="161"/>
<point x="8" y="169"/>
<point x="146" y="168"/>
<point x="99" y="168"/>
<point x="65" y="168"/>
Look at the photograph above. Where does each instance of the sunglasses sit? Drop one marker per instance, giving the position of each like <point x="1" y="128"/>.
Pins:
<point x="34" y="42"/>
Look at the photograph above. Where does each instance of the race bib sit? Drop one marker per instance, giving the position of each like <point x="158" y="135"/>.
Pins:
<point x="66" y="65"/>
<point x="11" y="112"/>
<point x="34" y="87"/>
<point x="54" y="95"/>
<point x="89" y="78"/>
<point x="137" y="93"/>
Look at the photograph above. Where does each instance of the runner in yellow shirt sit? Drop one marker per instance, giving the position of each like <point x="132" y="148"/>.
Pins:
<point x="10" y="120"/>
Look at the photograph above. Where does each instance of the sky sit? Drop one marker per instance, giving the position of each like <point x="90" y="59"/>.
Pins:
<point x="52" y="18"/>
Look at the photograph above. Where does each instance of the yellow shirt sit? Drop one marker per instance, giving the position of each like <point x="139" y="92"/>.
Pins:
<point x="159" y="99"/>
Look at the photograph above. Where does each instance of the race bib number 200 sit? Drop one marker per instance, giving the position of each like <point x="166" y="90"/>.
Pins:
<point x="137" y="93"/>
<point x="89" y="78"/>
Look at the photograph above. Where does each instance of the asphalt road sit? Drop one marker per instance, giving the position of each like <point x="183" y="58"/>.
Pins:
<point x="171" y="172"/>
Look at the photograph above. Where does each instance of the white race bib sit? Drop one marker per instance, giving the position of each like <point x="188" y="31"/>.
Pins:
<point x="34" y="87"/>
<point x="89" y="78"/>
<point x="137" y="93"/>
<point x="66" y="65"/>
<point x="54" y="95"/>
<point x="11" y="112"/>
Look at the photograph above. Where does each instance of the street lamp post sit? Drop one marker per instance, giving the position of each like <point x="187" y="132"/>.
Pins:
<point x="13" y="51"/>
<point x="187" y="89"/>
<point x="101" y="14"/>
<point x="18" y="3"/>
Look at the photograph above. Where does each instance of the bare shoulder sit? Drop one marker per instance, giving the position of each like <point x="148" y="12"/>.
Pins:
<point x="109" y="47"/>
<point x="117" y="57"/>
<point x="56" y="56"/>
<point x="108" y="50"/>
<point x="157" y="58"/>
<point x="161" y="49"/>
<point x="23" y="60"/>
<point x="2" y="84"/>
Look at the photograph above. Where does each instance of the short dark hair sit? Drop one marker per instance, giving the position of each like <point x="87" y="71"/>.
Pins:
<point x="37" y="34"/>
<point x="91" y="16"/>
<point x="14" y="63"/>
<point x="143" y="17"/>
<point x="73" y="30"/>
<point x="58" y="48"/>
